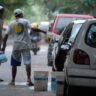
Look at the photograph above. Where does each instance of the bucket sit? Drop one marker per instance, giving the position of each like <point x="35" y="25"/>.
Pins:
<point x="54" y="76"/>
<point x="53" y="82"/>
<point x="40" y="80"/>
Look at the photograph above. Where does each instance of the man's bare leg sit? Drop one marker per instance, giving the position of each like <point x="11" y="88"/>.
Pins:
<point x="28" y="72"/>
<point x="14" y="72"/>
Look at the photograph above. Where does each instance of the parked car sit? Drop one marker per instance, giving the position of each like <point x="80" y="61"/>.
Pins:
<point x="60" y="21"/>
<point x="62" y="47"/>
<point x="80" y="64"/>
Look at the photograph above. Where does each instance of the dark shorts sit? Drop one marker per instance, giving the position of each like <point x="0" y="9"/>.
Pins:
<point x="18" y="55"/>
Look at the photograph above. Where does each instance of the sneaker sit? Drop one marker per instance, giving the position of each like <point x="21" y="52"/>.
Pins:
<point x="12" y="83"/>
<point x="30" y="84"/>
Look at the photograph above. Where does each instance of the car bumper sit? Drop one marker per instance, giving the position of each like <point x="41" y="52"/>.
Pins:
<point x="81" y="77"/>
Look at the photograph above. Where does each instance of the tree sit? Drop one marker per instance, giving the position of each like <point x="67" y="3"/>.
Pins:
<point x="10" y="5"/>
<point x="37" y="10"/>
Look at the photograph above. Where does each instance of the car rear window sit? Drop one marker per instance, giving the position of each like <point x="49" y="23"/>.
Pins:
<point x="91" y="36"/>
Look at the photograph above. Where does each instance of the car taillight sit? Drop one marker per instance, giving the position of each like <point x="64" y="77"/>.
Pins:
<point x="81" y="57"/>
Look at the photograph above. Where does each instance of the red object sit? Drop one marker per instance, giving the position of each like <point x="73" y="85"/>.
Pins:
<point x="68" y="18"/>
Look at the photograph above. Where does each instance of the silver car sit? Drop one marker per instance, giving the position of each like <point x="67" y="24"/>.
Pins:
<point x="80" y="64"/>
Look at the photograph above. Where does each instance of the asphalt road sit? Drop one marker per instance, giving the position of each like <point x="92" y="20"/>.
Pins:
<point x="39" y="63"/>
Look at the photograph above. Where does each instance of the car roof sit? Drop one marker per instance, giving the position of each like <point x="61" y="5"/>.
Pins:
<point x="78" y="21"/>
<point x="92" y="19"/>
<point x="75" y="15"/>
<point x="82" y="21"/>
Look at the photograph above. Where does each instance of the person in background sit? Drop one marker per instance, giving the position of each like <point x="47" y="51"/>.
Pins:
<point x="35" y="32"/>
<point x="22" y="45"/>
<point x="1" y="28"/>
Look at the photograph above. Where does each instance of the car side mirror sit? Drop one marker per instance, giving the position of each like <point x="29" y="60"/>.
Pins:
<point x="66" y="46"/>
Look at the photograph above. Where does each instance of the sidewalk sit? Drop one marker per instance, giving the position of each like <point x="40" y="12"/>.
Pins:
<point x="22" y="90"/>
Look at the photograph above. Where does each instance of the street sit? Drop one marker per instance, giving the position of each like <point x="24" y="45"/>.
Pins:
<point x="39" y="63"/>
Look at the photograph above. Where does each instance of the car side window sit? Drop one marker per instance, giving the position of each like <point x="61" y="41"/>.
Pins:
<point x="91" y="36"/>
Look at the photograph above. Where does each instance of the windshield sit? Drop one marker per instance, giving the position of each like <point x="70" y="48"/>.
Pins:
<point x="62" y="22"/>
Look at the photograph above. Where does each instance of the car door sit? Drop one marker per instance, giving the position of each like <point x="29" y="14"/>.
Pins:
<point x="90" y="41"/>
<point x="86" y="46"/>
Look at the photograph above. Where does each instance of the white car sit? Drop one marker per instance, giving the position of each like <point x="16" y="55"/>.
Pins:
<point x="80" y="64"/>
